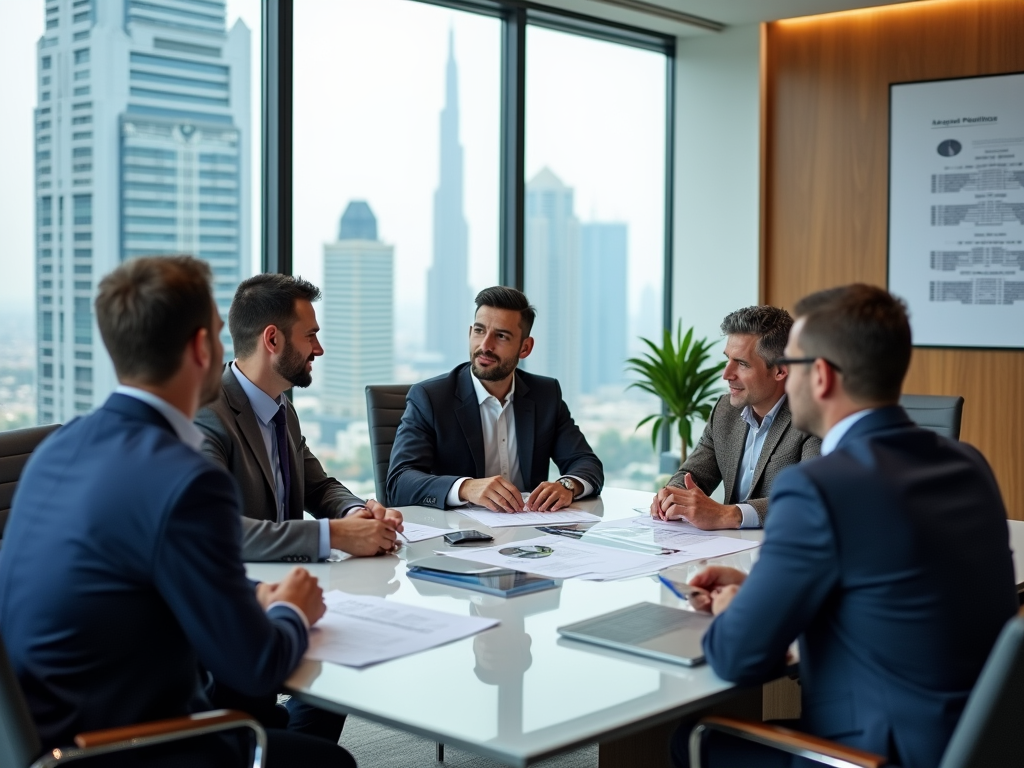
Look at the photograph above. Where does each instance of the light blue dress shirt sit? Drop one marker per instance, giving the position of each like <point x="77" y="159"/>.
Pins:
<point x="839" y="430"/>
<point x="756" y="435"/>
<point x="264" y="407"/>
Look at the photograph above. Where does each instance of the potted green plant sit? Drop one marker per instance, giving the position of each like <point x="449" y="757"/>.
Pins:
<point x="678" y="373"/>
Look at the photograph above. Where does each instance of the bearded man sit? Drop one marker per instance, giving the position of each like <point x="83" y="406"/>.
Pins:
<point x="485" y="432"/>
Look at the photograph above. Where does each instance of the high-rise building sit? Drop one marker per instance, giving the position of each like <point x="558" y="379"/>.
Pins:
<point x="552" y="280"/>
<point x="604" y="314"/>
<point x="449" y="299"/>
<point x="142" y="148"/>
<point x="358" y="313"/>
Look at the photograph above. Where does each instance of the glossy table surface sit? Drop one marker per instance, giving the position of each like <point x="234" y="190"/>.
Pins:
<point x="518" y="692"/>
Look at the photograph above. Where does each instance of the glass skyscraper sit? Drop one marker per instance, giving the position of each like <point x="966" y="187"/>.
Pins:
<point x="142" y="148"/>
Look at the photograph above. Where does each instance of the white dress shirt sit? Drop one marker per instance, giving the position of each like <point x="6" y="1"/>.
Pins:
<point x="756" y="435"/>
<point x="265" y="407"/>
<point x="191" y="436"/>
<point x="501" y="451"/>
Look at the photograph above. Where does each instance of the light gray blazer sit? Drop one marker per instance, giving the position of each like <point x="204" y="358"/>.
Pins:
<point x="234" y="441"/>
<point x="716" y="458"/>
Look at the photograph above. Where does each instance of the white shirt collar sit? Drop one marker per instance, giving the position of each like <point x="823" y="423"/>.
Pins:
<point x="482" y="394"/>
<point x="839" y="430"/>
<point x="186" y="431"/>
<point x="748" y="415"/>
<point x="263" y="405"/>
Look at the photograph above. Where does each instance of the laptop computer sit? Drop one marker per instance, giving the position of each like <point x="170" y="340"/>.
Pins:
<point x="646" y="629"/>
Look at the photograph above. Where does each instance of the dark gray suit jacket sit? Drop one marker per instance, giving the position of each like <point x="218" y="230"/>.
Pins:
<point x="234" y="441"/>
<point x="716" y="459"/>
<point x="441" y="438"/>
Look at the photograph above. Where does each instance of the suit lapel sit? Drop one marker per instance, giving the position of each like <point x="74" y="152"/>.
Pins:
<point x="771" y="441"/>
<point x="526" y="416"/>
<point x="734" y="440"/>
<point x="246" y="421"/>
<point x="468" y="414"/>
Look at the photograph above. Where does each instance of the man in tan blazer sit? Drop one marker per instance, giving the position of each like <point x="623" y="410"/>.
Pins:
<point x="749" y="438"/>
<point x="253" y="431"/>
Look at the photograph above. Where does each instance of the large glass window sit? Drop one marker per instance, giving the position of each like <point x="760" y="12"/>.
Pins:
<point x="594" y="232"/>
<point x="395" y="215"/>
<point x="163" y="158"/>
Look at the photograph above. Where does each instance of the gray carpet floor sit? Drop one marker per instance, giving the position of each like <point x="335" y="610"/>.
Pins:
<point x="375" y="746"/>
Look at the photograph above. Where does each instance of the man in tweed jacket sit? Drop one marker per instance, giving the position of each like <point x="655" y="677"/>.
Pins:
<point x="749" y="438"/>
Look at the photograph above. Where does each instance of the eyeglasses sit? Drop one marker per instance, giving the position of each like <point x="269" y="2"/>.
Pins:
<point x="806" y="361"/>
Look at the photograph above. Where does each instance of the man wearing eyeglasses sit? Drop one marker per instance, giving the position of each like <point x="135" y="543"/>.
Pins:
<point x="750" y="436"/>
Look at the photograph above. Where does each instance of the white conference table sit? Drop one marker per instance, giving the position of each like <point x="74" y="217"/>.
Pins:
<point x="516" y="693"/>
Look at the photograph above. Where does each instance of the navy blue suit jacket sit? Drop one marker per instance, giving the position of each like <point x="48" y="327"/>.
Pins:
<point x="889" y="559"/>
<point x="440" y="438"/>
<point x="121" y="572"/>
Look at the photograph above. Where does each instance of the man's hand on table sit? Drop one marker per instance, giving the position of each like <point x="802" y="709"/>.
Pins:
<point x="718" y="585"/>
<point x="695" y="507"/>
<point x="551" y="497"/>
<point x="362" y="534"/>
<point x="300" y="588"/>
<point x="496" y="493"/>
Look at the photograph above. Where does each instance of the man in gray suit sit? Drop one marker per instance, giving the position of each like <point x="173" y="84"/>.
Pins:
<point x="750" y="436"/>
<point x="253" y="431"/>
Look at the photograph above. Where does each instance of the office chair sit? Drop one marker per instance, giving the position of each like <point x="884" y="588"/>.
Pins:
<point x="20" y="746"/>
<point x="15" y="448"/>
<point x="988" y="734"/>
<point x="939" y="413"/>
<point x="385" y="404"/>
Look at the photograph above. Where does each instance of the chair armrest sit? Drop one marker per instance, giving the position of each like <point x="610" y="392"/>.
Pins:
<point x="784" y="739"/>
<point x="175" y="725"/>
<point x="157" y="732"/>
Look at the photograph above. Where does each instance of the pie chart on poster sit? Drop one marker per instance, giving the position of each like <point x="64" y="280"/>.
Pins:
<point x="949" y="148"/>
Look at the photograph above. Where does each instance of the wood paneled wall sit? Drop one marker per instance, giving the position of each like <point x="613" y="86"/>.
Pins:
<point x="825" y="178"/>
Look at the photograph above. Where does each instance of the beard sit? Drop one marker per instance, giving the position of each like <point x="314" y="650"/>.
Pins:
<point x="292" y="366"/>
<point x="495" y="372"/>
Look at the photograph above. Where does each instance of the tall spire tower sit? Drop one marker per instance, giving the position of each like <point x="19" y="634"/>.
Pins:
<point x="449" y="301"/>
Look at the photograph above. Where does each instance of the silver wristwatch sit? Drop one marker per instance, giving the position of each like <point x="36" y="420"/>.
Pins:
<point x="567" y="482"/>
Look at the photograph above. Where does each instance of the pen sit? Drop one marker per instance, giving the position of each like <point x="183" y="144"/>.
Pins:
<point x="684" y="591"/>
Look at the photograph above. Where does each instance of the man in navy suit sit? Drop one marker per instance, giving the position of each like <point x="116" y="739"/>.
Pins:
<point x="888" y="557"/>
<point x="121" y="573"/>
<point x="485" y="432"/>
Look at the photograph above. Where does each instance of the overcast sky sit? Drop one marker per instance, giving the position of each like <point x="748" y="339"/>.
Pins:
<point x="369" y="88"/>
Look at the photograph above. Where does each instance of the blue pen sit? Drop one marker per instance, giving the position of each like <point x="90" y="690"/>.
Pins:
<point x="675" y="588"/>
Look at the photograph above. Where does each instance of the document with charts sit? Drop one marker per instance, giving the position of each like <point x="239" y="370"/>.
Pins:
<point x="359" y="630"/>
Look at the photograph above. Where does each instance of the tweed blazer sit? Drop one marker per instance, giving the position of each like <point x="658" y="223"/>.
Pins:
<point x="234" y="442"/>
<point x="716" y="458"/>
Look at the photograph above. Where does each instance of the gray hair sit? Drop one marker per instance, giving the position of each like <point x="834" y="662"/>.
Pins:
<point x="770" y="324"/>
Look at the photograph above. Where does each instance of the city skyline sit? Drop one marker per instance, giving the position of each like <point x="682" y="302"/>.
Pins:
<point x="142" y="136"/>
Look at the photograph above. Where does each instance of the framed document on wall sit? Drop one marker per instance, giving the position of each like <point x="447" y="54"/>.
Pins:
<point x="956" y="209"/>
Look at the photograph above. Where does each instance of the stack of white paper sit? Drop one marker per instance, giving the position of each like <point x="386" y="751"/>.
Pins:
<point x="417" y="532"/>
<point x="359" y="630"/>
<point x="510" y="519"/>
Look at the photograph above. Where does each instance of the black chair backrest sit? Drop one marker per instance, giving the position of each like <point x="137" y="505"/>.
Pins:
<point x="15" y="448"/>
<point x="939" y="413"/>
<point x="19" y="742"/>
<point x="989" y="734"/>
<point x="385" y="404"/>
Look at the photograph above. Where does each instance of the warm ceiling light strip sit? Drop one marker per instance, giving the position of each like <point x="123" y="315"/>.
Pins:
<point x="666" y="13"/>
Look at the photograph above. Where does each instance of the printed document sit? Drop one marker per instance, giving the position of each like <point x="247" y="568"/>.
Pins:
<point x="510" y="519"/>
<point x="415" y="532"/>
<point x="359" y="630"/>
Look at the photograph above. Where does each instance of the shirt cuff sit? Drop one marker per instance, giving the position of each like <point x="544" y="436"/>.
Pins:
<point x="587" y="487"/>
<point x="453" y="499"/>
<point x="292" y="606"/>
<point x="750" y="516"/>
<point x="324" y="550"/>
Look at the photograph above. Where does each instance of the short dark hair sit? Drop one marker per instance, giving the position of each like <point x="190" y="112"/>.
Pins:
<point x="865" y="331"/>
<point x="503" y="297"/>
<point x="148" y="309"/>
<point x="262" y="300"/>
<point x="770" y="324"/>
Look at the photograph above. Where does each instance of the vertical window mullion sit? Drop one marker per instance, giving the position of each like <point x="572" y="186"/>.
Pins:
<point x="277" y="136"/>
<point x="513" y="148"/>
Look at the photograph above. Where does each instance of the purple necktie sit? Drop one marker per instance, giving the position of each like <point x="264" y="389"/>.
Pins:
<point x="281" y="430"/>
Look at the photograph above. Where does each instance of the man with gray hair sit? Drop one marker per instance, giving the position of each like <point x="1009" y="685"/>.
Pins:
<point x="749" y="438"/>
